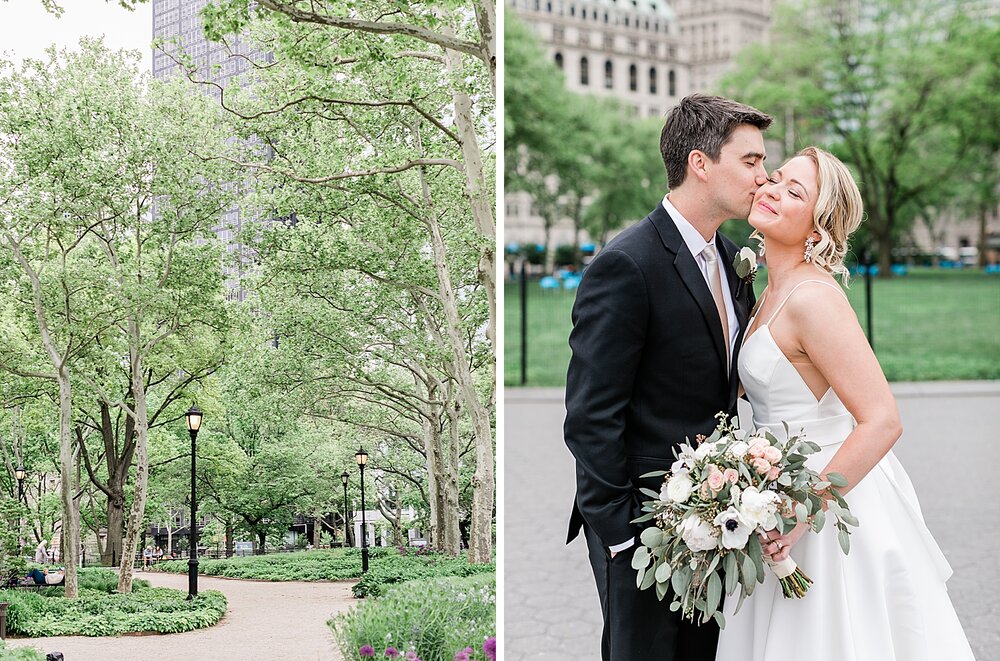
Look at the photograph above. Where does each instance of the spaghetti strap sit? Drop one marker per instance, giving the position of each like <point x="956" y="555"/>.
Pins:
<point x="789" y="295"/>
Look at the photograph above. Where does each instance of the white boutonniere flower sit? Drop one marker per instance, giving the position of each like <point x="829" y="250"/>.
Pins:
<point x="745" y="265"/>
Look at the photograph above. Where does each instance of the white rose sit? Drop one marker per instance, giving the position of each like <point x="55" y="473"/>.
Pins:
<point x="704" y="450"/>
<point x="678" y="488"/>
<point x="698" y="535"/>
<point x="747" y="254"/>
<point x="678" y="466"/>
<point x="738" y="449"/>
<point x="759" y="507"/>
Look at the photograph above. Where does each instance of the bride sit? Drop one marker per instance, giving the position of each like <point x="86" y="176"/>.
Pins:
<point x="806" y="361"/>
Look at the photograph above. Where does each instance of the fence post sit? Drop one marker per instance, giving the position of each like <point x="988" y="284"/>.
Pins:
<point x="867" y="257"/>
<point x="524" y="322"/>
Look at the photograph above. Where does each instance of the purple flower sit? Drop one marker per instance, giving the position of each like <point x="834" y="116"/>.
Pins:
<point x="367" y="650"/>
<point x="412" y="656"/>
<point x="391" y="651"/>
<point x="490" y="648"/>
<point x="464" y="655"/>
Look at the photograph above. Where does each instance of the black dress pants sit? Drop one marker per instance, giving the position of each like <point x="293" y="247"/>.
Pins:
<point x="637" y="625"/>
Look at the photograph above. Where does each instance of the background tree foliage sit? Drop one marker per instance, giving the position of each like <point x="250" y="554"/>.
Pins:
<point x="903" y="91"/>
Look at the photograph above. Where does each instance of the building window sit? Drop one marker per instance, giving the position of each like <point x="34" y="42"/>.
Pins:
<point x="609" y="42"/>
<point x="572" y="10"/>
<point x="652" y="80"/>
<point x="633" y="45"/>
<point x="633" y="78"/>
<point x="654" y="49"/>
<point x="559" y="60"/>
<point x="548" y="7"/>
<point x="609" y="75"/>
<point x="557" y="34"/>
<point x="584" y="71"/>
<point x="671" y="83"/>
<point x="584" y="38"/>
<point x="626" y="21"/>
<point x="605" y="17"/>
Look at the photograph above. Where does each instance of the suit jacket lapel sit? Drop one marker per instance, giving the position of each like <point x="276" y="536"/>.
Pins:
<point x="742" y="311"/>
<point x="691" y="276"/>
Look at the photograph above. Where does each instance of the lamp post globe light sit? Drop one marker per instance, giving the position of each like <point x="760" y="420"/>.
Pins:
<point x="362" y="458"/>
<point x="19" y="473"/>
<point x="343" y="478"/>
<point x="193" y="417"/>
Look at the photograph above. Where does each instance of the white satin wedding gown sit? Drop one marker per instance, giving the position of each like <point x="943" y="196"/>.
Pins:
<point x="887" y="599"/>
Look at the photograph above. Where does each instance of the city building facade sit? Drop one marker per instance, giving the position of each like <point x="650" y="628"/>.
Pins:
<point x="647" y="54"/>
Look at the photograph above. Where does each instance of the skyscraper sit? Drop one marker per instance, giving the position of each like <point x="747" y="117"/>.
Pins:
<point x="178" y="23"/>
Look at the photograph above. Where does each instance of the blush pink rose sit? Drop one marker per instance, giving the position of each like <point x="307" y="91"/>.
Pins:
<point x="772" y="454"/>
<point x="716" y="478"/>
<point x="757" y="449"/>
<point x="732" y="475"/>
<point x="774" y="473"/>
<point x="761" y="465"/>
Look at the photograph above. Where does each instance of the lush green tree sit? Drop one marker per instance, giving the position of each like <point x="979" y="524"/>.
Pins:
<point x="109" y="175"/>
<point x="883" y="85"/>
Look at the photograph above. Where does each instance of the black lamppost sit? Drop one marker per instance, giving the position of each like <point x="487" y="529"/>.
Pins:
<point x="343" y="478"/>
<point x="193" y="424"/>
<point x="19" y="473"/>
<point x="362" y="458"/>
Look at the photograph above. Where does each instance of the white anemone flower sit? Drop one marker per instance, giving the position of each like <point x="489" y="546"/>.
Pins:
<point x="735" y="531"/>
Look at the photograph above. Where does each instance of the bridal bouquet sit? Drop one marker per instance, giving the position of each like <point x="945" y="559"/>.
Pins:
<point x="714" y="500"/>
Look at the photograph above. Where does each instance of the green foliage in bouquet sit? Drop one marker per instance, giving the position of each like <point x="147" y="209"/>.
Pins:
<point x="714" y="501"/>
<point x="433" y="617"/>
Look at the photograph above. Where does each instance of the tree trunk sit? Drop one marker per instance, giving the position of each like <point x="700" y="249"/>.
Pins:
<point x="981" y="241"/>
<point x="71" y="515"/>
<point x="142" y="462"/>
<point x="477" y="189"/>
<point x="230" y="533"/>
<point x="261" y="544"/>
<point x="432" y="457"/>
<point x="450" y="478"/>
<point x="112" y="554"/>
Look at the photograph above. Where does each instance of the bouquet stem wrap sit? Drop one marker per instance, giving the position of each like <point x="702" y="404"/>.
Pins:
<point x="794" y="582"/>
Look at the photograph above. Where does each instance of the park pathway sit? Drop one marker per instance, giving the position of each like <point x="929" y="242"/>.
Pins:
<point x="266" y="621"/>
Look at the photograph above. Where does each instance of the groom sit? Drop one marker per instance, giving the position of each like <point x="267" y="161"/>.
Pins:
<point x="657" y="326"/>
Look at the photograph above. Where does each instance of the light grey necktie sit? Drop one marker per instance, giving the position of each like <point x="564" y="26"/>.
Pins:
<point x="715" y="286"/>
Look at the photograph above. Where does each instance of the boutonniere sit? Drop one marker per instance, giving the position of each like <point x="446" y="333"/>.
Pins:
<point x="745" y="265"/>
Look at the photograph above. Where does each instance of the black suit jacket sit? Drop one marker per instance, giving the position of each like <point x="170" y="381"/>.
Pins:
<point x="648" y="368"/>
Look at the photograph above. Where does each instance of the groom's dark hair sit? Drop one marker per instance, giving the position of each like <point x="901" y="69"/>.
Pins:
<point x="704" y="123"/>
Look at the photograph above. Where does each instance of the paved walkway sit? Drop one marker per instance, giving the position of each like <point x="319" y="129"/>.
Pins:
<point x="950" y="448"/>
<point x="266" y="621"/>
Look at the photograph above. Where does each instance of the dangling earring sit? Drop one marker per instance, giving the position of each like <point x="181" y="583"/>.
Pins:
<point x="810" y="242"/>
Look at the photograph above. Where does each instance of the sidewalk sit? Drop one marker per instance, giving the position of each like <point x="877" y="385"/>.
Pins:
<point x="950" y="447"/>
<point x="268" y="621"/>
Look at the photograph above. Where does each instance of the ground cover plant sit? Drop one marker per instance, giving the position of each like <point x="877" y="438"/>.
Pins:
<point x="100" y="611"/>
<point x="387" y="566"/>
<point x="436" y="619"/>
<point x="929" y="325"/>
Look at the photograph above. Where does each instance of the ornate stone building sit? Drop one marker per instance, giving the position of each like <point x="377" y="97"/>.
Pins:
<point x="648" y="54"/>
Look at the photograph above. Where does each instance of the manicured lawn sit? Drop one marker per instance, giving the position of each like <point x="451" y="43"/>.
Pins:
<point x="929" y="326"/>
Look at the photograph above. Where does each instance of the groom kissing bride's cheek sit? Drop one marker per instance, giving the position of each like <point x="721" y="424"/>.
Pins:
<point x="667" y="333"/>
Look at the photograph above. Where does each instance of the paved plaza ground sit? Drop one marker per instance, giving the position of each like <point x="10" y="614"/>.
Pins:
<point x="950" y="448"/>
<point x="266" y="621"/>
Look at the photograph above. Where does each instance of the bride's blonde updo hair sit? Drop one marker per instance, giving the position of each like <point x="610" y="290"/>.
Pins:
<point x="838" y="212"/>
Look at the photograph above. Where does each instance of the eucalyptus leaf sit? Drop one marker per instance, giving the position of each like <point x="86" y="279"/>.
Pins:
<point x="845" y="541"/>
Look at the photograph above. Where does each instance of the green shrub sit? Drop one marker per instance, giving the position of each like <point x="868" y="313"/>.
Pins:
<point x="99" y="579"/>
<point x="398" y="568"/>
<point x="97" y="613"/>
<point x="20" y="654"/>
<point x="315" y="565"/>
<point x="435" y="618"/>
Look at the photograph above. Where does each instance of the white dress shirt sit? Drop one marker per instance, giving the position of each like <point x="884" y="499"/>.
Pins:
<point x="696" y="244"/>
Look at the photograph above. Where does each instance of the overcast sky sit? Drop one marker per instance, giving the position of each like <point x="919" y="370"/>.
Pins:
<point x="26" y="29"/>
